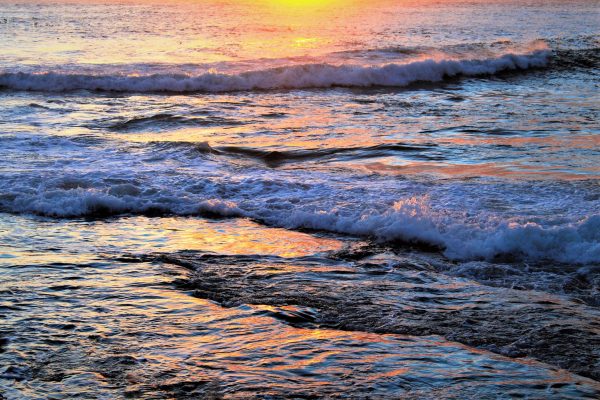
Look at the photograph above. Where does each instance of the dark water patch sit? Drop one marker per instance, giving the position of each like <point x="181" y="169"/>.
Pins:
<point x="15" y="372"/>
<point x="576" y="59"/>
<point x="154" y="342"/>
<point x="386" y="104"/>
<point x="493" y="132"/>
<point x="384" y="51"/>
<point x="198" y="389"/>
<point x="408" y="301"/>
<point x="166" y="120"/>
<point x="202" y="113"/>
<point x="89" y="140"/>
<point x="294" y="316"/>
<point x="115" y="366"/>
<point x="486" y="131"/>
<point x="274" y="115"/>
<point x="236" y="103"/>
<point x="39" y="106"/>
<point x="277" y="158"/>
<point x="100" y="212"/>
<point x="580" y="283"/>
<point x="63" y="287"/>
<point x="3" y="343"/>
<point x="365" y="101"/>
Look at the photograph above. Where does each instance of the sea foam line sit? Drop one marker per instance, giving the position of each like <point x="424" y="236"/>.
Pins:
<point x="410" y="219"/>
<point x="288" y="77"/>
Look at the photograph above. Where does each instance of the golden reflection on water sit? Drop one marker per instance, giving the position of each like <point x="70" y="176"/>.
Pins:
<point x="515" y="170"/>
<point x="299" y="27"/>
<point x="240" y="237"/>
<point x="208" y="31"/>
<point x="140" y="235"/>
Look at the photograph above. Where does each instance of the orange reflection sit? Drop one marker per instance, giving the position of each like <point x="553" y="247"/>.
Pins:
<point x="225" y="237"/>
<point x="140" y="235"/>
<point x="471" y="170"/>
<point x="302" y="4"/>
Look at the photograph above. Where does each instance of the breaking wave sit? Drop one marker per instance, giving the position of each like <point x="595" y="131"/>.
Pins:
<point x="287" y="77"/>
<point x="472" y="235"/>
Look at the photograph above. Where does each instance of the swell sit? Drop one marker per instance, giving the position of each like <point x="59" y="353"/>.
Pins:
<point x="287" y="77"/>
<point x="169" y="120"/>
<point x="276" y="158"/>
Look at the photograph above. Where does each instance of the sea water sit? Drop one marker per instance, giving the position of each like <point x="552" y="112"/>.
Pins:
<point x="286" y="198"/>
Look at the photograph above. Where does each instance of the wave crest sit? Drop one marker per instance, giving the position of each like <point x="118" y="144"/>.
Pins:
<point x="472" y="236"/>
<point x="287" y="77"/>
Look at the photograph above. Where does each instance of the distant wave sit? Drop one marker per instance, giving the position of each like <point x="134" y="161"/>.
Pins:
<point x="287" y="77"/>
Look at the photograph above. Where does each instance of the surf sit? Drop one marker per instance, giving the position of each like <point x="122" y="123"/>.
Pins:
<point x="305" y="76"/>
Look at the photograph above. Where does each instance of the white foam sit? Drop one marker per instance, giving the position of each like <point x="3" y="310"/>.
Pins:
<point x="412" y="219"/>
<point x="329" y="206"/>
<point x="288" y="77"/>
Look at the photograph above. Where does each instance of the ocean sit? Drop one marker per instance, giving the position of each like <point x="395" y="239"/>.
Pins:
<point x="299" y="199"/>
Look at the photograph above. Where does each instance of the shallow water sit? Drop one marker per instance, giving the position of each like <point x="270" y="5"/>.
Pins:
<point x="276" y="199"/>
<point x="82" y="321"/>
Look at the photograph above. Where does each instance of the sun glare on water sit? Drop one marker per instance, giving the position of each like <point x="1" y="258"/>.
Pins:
<point x="302" y="3"/>
<point x="292" y="28"/>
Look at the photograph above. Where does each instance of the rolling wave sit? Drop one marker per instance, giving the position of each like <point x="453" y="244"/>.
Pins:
<point x="170" y="120"/>
<point x="385" y="217"/>
<point x="276" y="158"/>
<point x="287" y="77"/>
